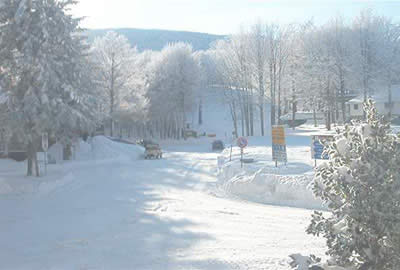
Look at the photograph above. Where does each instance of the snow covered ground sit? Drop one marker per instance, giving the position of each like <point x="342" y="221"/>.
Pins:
<point x="122" y="212"/>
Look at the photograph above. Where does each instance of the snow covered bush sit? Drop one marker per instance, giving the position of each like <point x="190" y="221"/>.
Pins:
<point x="361" y="186"/>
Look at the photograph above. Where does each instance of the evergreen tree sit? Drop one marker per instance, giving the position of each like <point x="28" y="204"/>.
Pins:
<point x="361" y="186"/>
<point x="43" y="66"/>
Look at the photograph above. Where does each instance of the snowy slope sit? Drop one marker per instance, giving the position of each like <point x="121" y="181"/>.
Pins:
<point x="101" y="148"/>
<point x="216" y="115"/>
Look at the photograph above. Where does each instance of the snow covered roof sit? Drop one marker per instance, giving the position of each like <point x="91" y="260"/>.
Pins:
<point x="356" y="100"/>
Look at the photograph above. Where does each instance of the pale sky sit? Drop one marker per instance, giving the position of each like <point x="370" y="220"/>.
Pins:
<point x="219" y="16"/>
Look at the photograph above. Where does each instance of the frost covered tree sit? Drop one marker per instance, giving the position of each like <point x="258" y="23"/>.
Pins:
<point x="387" y="57"/>
<point x="114" y="60"/>
<point x="259" y="64"/>
<point x="361" y="187"/>
<point x="43" y="73"/>
<point x="172" y="83"/>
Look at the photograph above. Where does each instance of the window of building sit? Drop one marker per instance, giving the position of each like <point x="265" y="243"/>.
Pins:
<point x="356" y="107"/>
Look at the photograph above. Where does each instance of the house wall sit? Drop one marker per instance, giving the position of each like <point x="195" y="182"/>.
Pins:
<point x="353" y="111"/>
<point x="380" y="106"/>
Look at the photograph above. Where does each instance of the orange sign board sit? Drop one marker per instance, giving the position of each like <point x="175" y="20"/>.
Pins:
<point x="278" y="135"/>
<point x="279" y="144"/>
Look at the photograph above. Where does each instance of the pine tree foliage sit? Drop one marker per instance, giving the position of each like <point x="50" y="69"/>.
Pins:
<point x="43" y="66"/>
<point x="361" y="186"/>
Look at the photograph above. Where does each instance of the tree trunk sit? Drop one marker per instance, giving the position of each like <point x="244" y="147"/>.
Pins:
<point x="294" y="105"/>
<point x="272" y="90"/>
<point x="30" y="159"/>
<point x="234" y="117"/>
<point x="251" y="120"/>
<point x="261" y="99"/>
<point x="329" y="106"/>
<point x="343" y="97"/>
<point x="201" y="112"/>
<point x="315" y="115"/>
<point x="328" y="120"/>
<point x="390" y="102"/>
<point x="294" y="108"/>
<point x="35" y="161"/>
<point x="262" y="119"/>
<point x="279" y="100"/>
<point x="242" y="120"/>
<point x="247" y="118"/>
<point x="112" y="96"/>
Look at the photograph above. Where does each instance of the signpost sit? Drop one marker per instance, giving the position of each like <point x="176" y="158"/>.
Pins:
<point x="45" y="147"/>
<point x="317" y="147"/>
<point x="279" y="153"/>
<point x="242" y="143"/>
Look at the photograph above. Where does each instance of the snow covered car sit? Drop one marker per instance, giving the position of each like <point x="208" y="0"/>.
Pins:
<point x="152" y="151"/>
<point x="218" y="145"/>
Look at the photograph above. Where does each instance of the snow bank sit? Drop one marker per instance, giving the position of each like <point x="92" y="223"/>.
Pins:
<point x="264" y="187"/>
<point x="290" y="185"/>
<point x="88" y="155"/>
<point x="101" y="148"/>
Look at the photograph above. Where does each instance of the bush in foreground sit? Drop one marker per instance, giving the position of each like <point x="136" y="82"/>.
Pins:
<point x="361" y="186"/>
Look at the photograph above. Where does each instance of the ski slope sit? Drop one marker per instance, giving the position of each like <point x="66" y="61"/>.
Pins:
<point x="124" y="213"/>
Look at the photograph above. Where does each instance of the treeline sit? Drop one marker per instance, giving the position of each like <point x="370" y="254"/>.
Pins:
<point x="144" y="94"/>
<point x="267" y="70"/>
<point x="52" y="80"/>
<point x="306" y="67"/>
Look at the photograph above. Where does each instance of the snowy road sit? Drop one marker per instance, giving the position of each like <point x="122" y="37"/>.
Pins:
<point x="166" y="214"/>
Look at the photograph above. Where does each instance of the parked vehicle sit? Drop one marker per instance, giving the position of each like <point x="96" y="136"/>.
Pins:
<point x="152" y="151"/>
<point x="218" y="145"/>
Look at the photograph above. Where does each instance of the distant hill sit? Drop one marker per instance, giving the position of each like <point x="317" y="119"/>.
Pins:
<point x="157" y="39"/>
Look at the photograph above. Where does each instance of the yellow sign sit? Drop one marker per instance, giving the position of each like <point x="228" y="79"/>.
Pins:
<point x="278" y="135"/>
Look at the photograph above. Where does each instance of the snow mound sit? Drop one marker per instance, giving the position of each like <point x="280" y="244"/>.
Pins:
<point x="264" y="187"/>
<point x="102" y="148"/>
<point x="288" y="185"/>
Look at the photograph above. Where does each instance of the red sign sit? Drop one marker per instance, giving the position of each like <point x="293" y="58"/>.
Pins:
<point x="242" y="142"/>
